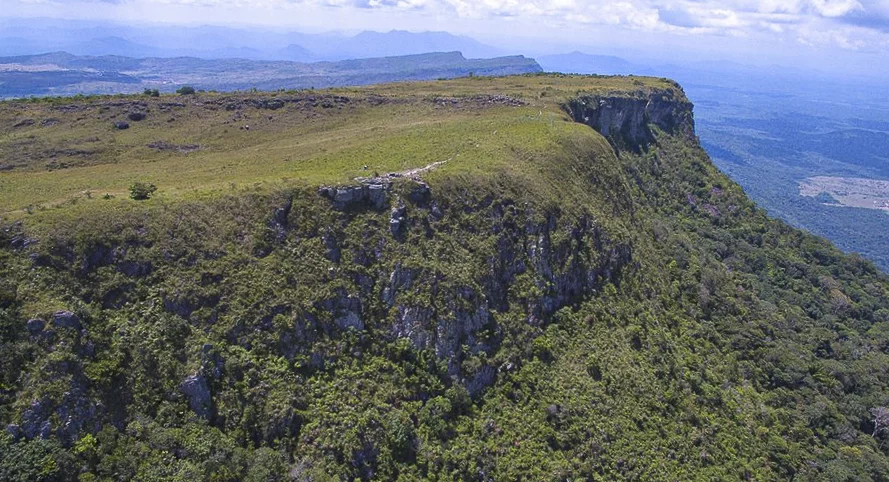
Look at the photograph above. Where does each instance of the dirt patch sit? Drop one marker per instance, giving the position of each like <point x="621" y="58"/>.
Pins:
<point x="848" y="191"/>
<point x="413" y="174"/>
<point x="164" y="146"/>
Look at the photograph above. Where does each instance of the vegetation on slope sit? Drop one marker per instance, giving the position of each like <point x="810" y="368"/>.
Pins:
<point x="541" y="307"/>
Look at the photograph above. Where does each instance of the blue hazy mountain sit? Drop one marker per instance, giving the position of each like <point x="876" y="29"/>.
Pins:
<point x="36" y="36"/>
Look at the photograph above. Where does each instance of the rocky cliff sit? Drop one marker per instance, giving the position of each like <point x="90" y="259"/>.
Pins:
<point x="627" y="119"/>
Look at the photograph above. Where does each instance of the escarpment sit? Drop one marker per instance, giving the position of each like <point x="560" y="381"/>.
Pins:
<point x="456" y="279"/>
<point x="529" y="278"/>
<point x="469" y="278"/>
<point x="626" y="119"/>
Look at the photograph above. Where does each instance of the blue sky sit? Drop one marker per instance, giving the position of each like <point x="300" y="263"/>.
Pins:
<point x="850" y="34"/>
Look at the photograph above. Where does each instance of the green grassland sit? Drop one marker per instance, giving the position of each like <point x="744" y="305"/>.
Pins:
<point x="557" y="306"/>
<point x="315" y="142"/>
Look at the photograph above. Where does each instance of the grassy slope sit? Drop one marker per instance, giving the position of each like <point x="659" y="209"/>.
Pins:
<point x="298" y="142"/>
<point x="730" y="347"/>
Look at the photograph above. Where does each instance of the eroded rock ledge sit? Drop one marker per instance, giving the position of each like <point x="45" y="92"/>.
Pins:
<point x="626" y="120"/>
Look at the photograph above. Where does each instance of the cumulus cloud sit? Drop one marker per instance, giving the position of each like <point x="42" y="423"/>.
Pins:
<point x="712" y="16"/>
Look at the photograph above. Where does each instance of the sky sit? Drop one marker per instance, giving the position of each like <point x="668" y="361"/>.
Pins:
<point x="810" y="33"/>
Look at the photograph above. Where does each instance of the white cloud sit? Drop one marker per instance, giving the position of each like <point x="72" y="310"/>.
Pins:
<point x="847" y="24"/>
<point x="836" y="8"/>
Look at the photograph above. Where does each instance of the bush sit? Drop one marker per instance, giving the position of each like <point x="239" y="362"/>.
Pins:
<point x="142" y="190"/>
<point x="185" y="90"/>
<point x="151" y="92"/>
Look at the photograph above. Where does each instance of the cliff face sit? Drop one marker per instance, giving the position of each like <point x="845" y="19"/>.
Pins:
<point x="627" y="120"/>
<point x="522" y="267"/>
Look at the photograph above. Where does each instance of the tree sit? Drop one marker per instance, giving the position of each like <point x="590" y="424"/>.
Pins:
<point x="142" y="190"/>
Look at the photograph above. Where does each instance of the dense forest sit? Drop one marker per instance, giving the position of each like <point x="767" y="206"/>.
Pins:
<point x="574" y="293"/>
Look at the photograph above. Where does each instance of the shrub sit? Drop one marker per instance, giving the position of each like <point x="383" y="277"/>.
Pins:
<point x="142" y="190"/>
<point x="185" y="90"/>
<point x="151" y="92"/>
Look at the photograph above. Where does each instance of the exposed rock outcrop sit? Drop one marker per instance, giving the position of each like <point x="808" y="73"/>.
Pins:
<point x="65" y="415"/>
<point x="197" y="390"/>
<point x="564" y="272"/>
<point x="280" y="221"/>
<point x="373" y="195"/>
<point x="397" y="218"/>
<point x="626" y="120"/>
<point x="520" y="266"/>
<point x="66" y="319"/>
<point x="35" y="325"/>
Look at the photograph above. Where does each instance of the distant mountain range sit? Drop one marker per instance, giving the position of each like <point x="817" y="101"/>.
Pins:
<point x="33" y="36"/>
<point x="62" y="73"/>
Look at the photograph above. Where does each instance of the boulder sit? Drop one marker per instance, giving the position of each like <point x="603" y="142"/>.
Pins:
<point x="66" y="319"/>
<point x="348" y="195"/>
<point x="121" y="125"/>
<point x="197" y="390"/>
<point x="435" y="212"/>
<point x="136" y="116"/>
<point x="373" y="195"/>
<point x="33" y="419"/>
<point x="14" y="431"/>
<point x="45" y="430"/>
<point x="35" y="325"/>
<point x="377" y="195"/>
<point x="397" y="219"/>
<point x="420" y="194"/>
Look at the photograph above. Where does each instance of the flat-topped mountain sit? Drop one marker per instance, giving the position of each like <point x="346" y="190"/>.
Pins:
<point x="60" y="73"/>
<point x="535" y="277"/>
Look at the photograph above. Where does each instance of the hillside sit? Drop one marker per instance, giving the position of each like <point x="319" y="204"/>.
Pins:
<point x="539" y="277"/>
<point x="774" y="130"/>
<point x="60" y="73"/>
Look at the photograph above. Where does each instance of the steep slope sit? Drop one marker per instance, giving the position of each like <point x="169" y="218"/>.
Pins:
<point x="553" y="283"/>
